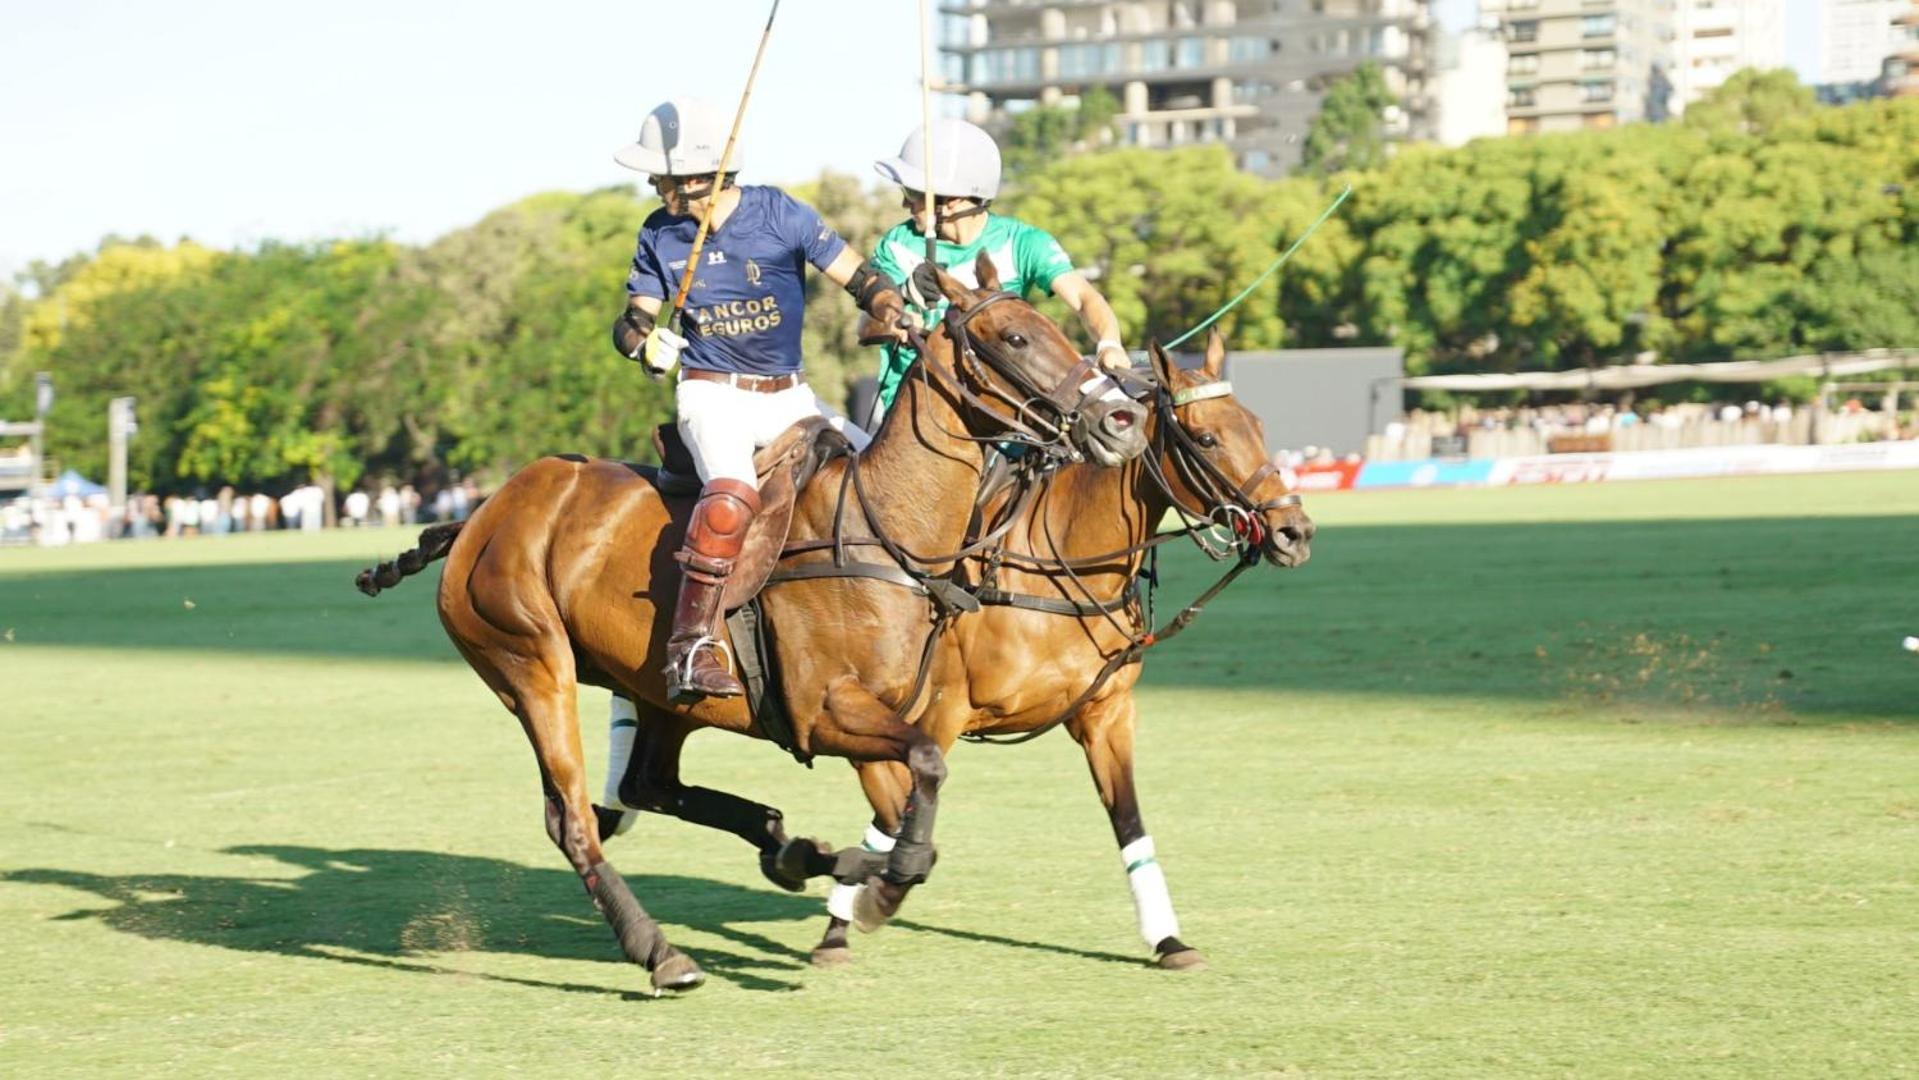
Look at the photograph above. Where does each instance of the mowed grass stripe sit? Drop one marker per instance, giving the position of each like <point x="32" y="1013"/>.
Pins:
<point x="285" y="830"/>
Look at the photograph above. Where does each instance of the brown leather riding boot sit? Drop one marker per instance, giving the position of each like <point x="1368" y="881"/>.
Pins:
<point x="713" y="539"/>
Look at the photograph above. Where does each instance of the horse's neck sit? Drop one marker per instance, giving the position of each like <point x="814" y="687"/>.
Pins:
<point x="1090" y="510"/>
<point x="921" y="472"/>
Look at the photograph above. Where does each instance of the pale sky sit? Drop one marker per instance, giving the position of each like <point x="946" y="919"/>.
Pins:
<point x="236" y="121"/>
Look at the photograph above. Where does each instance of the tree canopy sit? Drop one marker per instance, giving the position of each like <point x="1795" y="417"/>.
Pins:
<point x="1753" y="229"/>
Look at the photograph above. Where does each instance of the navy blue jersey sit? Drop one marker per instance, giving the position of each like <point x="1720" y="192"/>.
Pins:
<point x="743" y="313"/>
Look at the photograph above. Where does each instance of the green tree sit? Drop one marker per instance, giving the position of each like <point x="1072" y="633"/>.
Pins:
<point x="1048" y="133"/>
<point x="1349" y="131"/>
<point x="1752" y="101"/>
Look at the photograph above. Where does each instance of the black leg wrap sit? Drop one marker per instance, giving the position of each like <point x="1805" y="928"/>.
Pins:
<point x="852" y="866"/>
<point x="909" y="864"/>
<point x="640" y="937"/>
<point x="761" y="826"/>
<point x="912" y="858"/>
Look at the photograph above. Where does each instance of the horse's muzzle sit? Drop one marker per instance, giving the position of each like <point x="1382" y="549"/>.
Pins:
<point x="1289" y="536"/>
<point x="1111" y="431"/>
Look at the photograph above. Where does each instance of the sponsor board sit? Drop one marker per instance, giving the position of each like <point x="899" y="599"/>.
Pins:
<point x="1327" y="476"/>
<point x="1704" y="461"/>
<point x="1429" y="473"/>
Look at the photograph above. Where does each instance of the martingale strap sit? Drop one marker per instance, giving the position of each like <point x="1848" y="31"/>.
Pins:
<point x="1052" y="605"/>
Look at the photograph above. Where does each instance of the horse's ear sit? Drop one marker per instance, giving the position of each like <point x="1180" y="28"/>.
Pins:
<point x="1162" y="364"/>
<point x="986" y="273"/>
<point x="961" y="297"/>
<point x="1215" y="365"/>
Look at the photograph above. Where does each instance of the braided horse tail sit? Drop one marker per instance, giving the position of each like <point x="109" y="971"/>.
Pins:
<point x="433" y="544"/>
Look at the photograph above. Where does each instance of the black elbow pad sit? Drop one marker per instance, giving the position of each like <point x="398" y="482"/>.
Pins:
<point x="630" y="330"/>
<point x="868" y="282"/>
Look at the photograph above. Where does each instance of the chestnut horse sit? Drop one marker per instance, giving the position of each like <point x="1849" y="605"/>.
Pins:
<point x="565" y="576"/>
<point x="1061" y="629"/>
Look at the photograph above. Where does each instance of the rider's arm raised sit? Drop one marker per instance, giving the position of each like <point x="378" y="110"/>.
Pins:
<point x="1096" y="315"/>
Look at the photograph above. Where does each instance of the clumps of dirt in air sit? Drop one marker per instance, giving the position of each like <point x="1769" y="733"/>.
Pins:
<point x="1649" y="674"/>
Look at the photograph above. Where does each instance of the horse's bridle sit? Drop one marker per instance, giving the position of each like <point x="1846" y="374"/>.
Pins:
<point x="1230" y="505"/>
<point x="1043" y="419"/>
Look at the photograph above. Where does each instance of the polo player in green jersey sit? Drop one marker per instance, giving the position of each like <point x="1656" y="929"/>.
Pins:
<point x="964" y="180"/>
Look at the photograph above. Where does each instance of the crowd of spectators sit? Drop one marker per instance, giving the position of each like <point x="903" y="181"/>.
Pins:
<point x="80" y="519"/>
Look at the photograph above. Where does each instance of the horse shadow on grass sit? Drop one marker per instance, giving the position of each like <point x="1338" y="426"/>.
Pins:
<point x="409" y="910"/>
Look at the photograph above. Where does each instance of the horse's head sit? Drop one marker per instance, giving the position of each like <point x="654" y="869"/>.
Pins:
<point x="1212" y="451"/>
<point x="1027" y="383"/>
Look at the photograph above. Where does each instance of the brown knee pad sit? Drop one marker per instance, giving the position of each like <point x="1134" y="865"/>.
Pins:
<point x="718" y="529"/>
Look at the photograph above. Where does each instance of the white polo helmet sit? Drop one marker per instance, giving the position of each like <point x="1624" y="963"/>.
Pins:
<point x="683" y="137"/>
<point x="966" y="161"/>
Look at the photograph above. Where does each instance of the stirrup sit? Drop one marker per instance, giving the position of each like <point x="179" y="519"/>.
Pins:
<point x="685" y="671"/>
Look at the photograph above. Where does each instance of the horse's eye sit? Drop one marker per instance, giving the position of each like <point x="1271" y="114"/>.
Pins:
<point x="1206" y="439"/>
<point x="1017" y="341"/>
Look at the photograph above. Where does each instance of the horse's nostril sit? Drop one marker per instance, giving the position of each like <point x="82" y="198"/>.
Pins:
<point x="1122" y="420"/>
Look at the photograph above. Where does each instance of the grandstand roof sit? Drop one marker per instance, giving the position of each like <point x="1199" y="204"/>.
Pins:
<point x="1632" y="376"/>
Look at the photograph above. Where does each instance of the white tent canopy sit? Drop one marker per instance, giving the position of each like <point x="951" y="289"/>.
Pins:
<point x="1633" y="376"/>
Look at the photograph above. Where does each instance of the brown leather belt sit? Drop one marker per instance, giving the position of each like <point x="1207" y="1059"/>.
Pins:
<point x="759" y="384"/>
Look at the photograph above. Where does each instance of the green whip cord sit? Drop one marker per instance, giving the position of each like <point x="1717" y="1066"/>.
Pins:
<point x="1270" y="271"/>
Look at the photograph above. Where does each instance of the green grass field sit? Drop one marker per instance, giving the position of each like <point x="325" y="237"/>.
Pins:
<point x="1610" y="781"/>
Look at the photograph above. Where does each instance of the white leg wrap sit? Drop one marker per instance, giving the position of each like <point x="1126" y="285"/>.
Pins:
<point x="623" y="724"/>
<point x="1150" y="898"/>
<point x="839" y="902"/>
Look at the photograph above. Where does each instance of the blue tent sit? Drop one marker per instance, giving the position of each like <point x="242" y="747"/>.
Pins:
<point x="72" y="483"/>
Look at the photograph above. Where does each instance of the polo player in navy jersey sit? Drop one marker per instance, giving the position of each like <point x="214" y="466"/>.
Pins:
<point x="740" y="383"/>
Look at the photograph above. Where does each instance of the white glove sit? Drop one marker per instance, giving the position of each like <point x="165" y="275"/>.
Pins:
<point x="661" y="350"/>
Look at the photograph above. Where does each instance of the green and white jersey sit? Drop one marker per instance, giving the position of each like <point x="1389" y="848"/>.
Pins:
<point x="1027" y="260"/>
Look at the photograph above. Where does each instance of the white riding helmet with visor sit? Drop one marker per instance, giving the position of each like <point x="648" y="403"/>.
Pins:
<point x="965" y="165"/>
<point x="683" y="137"/>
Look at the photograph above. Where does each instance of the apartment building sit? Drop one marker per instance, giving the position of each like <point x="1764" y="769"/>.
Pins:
<point x="1246" y="73"/>
<point x="1901" y="70"/>
<point x="1714" y="38"/>
<point x="1584" y="63"/>
<point x="1855" y="37"/>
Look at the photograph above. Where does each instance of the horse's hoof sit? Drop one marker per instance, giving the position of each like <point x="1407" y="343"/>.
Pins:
<point x="612" y="822"/>
<point x="832" y="956"/>
<point x="1185" y="959"/>
<point x="787" y="867"/>
<point x="869" y="909"/>
<point x="677" y="972"/>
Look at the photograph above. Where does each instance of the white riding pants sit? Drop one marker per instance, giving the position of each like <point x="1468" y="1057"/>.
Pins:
<point x="723" y="424"/>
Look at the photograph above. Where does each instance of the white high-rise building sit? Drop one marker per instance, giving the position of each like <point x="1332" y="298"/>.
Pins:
<point x="1249" y="74"/>
<point x="1469" y="85"/>
<point x="1714" y="38"/>
<point x="1575" y="64"/>
<point x="1855" y="37"/>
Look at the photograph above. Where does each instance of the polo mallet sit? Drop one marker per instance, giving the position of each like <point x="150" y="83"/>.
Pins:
<point x="719" y="178"/>
<point x="926" y="144"/>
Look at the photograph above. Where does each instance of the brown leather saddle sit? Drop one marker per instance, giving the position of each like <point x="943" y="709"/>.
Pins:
<point x="783" y="468"/>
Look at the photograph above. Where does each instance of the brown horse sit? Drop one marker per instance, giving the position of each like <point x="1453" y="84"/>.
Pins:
<point x="1061" y="627"/>
<point x="565" y="576"/>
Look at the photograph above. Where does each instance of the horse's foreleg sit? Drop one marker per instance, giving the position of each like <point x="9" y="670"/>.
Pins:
<point x="548" y="713"/>
<point x="886" y="785"/>
<point x="859" y="726"/>
<point x="644" y="775"/>
<point x="1104" y="730"/>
